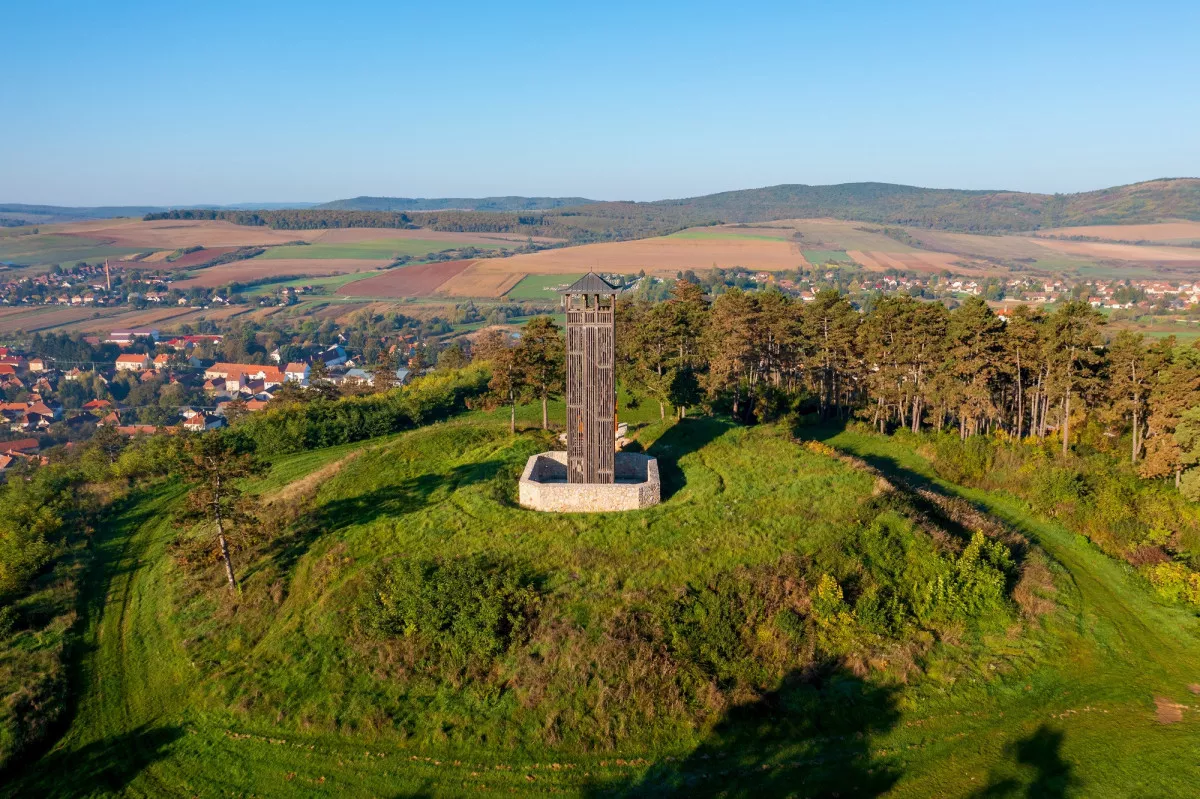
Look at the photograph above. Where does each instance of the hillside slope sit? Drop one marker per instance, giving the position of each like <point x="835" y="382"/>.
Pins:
<point x="184" y="693"/>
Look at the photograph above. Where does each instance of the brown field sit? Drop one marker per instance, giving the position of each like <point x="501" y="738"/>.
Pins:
<point x="419" y="280"/>
<point x="665" y="254"/>
<point x="919" y="261"/>
<point x="1165" y="232"/>
<point x="173" y="234"/>
<point x="255" y="269"/>
<point x="478" y="282"/>
<point x="834" y="234"/>
<point x="1123" y="252"/>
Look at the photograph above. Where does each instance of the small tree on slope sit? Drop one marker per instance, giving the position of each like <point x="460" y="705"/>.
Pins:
<point x="213" y="464"/>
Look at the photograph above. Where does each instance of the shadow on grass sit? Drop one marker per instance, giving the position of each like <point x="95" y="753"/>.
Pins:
<point x="99" y="768"/>
<point x="407" y="496"/>
<point x="1052" y="777"/>
<point x="809" y="738"/>
<point x="682" y="438"/>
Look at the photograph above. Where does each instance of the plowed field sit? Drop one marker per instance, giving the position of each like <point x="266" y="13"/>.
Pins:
<point x="420" y="280"/>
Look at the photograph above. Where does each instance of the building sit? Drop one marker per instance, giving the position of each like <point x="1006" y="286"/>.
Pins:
<point x="237" y="377"/>
<point x="591" y="388"/>
<point x="133" y="363"/>
<point x="126" y="336"/>
<point x="297" y="373"/>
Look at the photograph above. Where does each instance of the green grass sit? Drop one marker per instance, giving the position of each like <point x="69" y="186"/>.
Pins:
<point x="380" y="249"/>
<point x="822" y="257"/>
<point x="184" y="692"/>
<point x="540" y="287"/>
<point x="47" y="249"/>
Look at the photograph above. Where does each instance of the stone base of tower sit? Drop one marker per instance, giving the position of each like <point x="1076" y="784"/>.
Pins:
<point x="544" y="485"/>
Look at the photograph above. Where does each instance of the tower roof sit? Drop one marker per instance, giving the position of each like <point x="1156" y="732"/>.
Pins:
<point x="591" y="283"/>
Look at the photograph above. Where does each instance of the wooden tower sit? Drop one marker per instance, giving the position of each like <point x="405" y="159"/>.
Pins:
<point x="591" y="390"/>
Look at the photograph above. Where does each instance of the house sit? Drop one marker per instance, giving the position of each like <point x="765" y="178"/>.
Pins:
<point x="161" y="361"/>
<point x="203" y="421"/>
<point x="111" y="419"/>
<point x="297" y="373"/>
<point x="7" y="369"/>
<point x="23" y="445"/>
<point x="126" y="337"/>
<point x="133" y="363"/>
<point x="37" y="365"/>
<point x="235" y="374"/>
<point x="138" y="429"/>
<point x="96" y="405"/>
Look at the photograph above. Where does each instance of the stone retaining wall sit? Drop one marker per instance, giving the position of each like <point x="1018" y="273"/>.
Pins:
<point x="544" y="485"/>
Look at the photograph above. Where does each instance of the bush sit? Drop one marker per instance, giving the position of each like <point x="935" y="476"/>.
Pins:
<point x="322" y="423"/>
<point x="468" y="609"/>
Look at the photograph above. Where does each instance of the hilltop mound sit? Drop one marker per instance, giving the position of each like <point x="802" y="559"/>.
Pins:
<point x="405" y="593"/>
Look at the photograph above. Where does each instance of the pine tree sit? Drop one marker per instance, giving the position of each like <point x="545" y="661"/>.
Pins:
<point x="213" y="463"/>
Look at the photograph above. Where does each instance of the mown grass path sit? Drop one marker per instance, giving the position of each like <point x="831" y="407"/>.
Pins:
<point x="1073" y="715"/>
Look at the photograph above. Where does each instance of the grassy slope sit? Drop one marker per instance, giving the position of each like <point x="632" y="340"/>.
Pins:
<point x="1076" y="711"/>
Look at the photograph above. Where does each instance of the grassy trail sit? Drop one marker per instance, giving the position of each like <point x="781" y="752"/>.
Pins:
<point x="1074" y="715"/>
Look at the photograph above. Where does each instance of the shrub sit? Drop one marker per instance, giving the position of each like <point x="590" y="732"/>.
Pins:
<point x="469" y="609"/>
<point x="1174" y="582"/>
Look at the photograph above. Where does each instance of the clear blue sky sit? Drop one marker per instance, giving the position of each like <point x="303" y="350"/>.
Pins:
<point x="213" y="102"/>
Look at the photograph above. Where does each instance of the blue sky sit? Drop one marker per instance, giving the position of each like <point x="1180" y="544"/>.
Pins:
<point x="213" y="102"/>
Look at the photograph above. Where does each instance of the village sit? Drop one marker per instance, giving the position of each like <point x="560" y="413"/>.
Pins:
<point x="165" y="384"/>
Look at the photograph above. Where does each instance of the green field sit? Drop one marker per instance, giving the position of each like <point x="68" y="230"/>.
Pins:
<point x="183" y="692"/>
<point x="822" y="257"/>
<point x="540" y="287"/>
<point x="47" y="249"/>
<point x="381" y="249"/>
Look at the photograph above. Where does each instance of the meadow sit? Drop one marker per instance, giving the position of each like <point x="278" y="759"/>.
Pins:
<point x="541" y="287"/>
<point x="184" y="691"/>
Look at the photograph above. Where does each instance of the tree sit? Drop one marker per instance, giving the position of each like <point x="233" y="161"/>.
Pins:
<point x="828" y="326"/>
<point x="1075" y="336"/>
<point x="384" y="375"/>
<point x="506" y="385"/>
<point x="1022" y="343"/>
<point x="541" y="358"/>
<point x="1129" y="382"/>
<point x="974" y="339"/>
<point x="646" y="350"/>
<point x="1175" y="389"/>
<point x="213" y="463"/>
<point x="452" y="357"/>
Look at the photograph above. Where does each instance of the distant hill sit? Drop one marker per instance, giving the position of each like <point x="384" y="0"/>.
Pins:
<point x="49" y="214"/>
<point x="948" y="209"/>
<point x="453" y="204"/>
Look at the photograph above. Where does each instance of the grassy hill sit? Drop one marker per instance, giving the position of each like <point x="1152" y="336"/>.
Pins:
<point x="790" y="619"/>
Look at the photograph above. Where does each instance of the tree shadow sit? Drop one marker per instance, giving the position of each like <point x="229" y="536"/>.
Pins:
<point x="1041" y="751"/>
<point x="682" y="438"/>
<point x="811" y="737"/>
<point x="407" y="496"/>
<point x="101" y="767"/>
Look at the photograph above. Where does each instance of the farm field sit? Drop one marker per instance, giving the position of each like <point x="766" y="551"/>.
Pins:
<point x="416" y="280"/>
<point x="57" y="248"/>
<point x="1124" y="252"/>
<point x="477" y="282"/>
<point x="541" y="287"/>
<point x="1181" y="232"/>
<point x="174" y="234"/>
<point x="385" y="249"/>
<point x="182" y="694"/>
<point x="284" y="269"/>
<point x="822" y="257"/>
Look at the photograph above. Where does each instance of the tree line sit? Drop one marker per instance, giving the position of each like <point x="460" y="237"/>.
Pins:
<point x="899" y="364"/>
